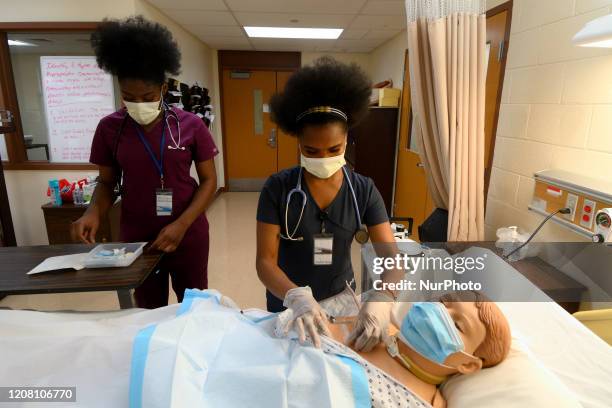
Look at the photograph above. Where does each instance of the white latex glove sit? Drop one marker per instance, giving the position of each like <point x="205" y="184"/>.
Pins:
<point x="308" y="316"/>
<point x="372" y="322"/>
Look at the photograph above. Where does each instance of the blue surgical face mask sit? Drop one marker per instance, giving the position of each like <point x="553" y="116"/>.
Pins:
<point x="430" y="331"/>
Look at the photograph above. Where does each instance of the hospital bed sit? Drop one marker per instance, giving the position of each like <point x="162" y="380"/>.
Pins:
<point x="93" y="351"/>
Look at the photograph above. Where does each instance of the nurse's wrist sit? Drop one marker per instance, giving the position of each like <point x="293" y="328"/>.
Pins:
<point x="93" y="209"/>
<point x="183" y="222"/>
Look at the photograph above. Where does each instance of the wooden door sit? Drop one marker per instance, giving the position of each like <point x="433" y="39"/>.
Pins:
<point x="412" y="198"/>
<point x="287" y="150"/>
<point x="255" y="147"/>
<point x="250" y="135"/>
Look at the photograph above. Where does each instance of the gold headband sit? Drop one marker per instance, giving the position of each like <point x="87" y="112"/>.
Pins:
<point x="322" y="109"/>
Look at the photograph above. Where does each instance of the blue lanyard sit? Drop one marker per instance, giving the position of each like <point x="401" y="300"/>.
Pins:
<point x="158" y="164"/>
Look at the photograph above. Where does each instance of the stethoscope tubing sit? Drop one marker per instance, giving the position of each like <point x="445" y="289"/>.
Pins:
<point x="171" y="113"/>
<point x="298" y="189"/>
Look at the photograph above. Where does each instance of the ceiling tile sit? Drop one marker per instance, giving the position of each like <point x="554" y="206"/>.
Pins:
<point x="381" y="34"/>
<point x="384" y="8"/>
<point x="284" y="20"/>
<point x="379" y="22"/>
<point x="353" y="34"/>
<point x="298" y="6"/>
<point x="196" y="17"/>
<point x="215" y="31"/>
<point x="218" y="5"/>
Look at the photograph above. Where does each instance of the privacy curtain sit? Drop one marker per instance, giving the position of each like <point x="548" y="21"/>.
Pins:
<point x="447" y="56"/>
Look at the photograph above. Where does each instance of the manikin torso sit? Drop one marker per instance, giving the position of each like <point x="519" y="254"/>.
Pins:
<point x="381" y="359"/>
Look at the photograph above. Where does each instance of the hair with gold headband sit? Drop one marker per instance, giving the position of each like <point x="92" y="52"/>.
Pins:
<point x="322" y="109"/>
<point x="325" y="92"/>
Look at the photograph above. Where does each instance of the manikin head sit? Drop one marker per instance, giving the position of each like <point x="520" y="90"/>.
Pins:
<point x="477" y="335"/>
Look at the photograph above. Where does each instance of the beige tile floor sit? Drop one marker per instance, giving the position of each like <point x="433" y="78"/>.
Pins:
<point x="231" y="265"/>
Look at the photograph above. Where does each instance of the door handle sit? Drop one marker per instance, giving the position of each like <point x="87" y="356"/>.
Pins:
<point x="272" y="138"/>
<point x="421" y="165"/>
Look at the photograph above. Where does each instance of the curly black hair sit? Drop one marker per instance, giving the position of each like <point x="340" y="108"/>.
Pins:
<point x="136" y="48"/>
<point x="326" y="82"/>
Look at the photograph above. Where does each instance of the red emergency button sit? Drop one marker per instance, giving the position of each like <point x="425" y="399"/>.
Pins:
<point x="586" y="218"/>
<point x="587" y="208"/>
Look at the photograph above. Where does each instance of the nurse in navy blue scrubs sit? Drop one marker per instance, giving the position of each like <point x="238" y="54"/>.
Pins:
<point x="309" y="215"/>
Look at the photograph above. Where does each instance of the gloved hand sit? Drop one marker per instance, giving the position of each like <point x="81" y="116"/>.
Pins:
<point x="372" y="322"/>
<point x="308" y="315"/>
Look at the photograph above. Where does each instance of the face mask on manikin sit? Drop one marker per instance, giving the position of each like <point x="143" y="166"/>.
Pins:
<point x="143" y="112"/>
<point x="429" y="330"/>
<point x="325" y="167"/>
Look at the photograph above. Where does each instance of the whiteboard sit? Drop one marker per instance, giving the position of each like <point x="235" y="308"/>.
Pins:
<point x="76" y="95"/>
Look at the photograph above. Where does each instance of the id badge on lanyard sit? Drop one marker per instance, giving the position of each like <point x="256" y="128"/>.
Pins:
<point x="323" y="248"/>
<point x="163" y="195"/>
<point x="163" y="201"/>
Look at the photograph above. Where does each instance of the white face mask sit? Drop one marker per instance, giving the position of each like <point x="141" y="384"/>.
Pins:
<point x="325" y="167"/>
<point x="143" y="112"/>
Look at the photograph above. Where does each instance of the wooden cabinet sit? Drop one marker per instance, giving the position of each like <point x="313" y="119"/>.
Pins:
<point x="58" y="220"/>
<point x="371" y="149"/>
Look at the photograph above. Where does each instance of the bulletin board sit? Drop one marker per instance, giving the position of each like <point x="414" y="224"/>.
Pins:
<point x="76" y="95"/>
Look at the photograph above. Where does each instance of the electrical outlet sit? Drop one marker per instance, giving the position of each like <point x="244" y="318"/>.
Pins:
<point x="588" y="213"/>
<point x="571" y="202"/>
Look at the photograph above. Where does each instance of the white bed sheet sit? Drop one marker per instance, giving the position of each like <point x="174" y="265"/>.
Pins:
<point x="580" y="359"/>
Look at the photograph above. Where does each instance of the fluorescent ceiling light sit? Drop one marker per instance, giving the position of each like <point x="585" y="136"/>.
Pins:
<point x="595" y="33"/>
<point x="18" y="43"/>
<point x="293" y="32"/>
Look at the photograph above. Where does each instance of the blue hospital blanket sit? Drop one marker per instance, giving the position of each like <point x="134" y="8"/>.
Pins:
<point x="210" y="355"/>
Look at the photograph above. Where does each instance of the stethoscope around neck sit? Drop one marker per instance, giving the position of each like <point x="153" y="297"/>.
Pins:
<point x="169" y="113"/>
<point x="361" y="236"/>
<point x="176" y="144"/>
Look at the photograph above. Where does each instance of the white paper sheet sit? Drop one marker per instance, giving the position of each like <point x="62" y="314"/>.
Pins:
<point x="75" y="261"/>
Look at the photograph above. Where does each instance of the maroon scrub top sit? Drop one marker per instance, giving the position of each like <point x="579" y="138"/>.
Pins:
<point x="141" y="178"/>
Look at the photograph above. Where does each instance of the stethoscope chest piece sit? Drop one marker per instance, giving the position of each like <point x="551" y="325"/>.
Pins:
<point x="362" y="236"/>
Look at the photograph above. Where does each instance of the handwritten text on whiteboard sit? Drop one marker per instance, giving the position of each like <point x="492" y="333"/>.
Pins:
<point x="76" y="95"/>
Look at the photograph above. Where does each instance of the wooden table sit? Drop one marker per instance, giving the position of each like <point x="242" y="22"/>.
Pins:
<point x="15" y="262"/>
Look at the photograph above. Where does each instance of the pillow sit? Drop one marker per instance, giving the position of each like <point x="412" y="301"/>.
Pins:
<point x="519" y="381"/>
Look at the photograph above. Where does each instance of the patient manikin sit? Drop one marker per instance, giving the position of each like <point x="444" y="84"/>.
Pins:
<point x="437" y="340"/>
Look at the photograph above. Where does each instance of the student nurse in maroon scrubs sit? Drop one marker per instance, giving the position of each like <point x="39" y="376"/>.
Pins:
<point x="151" y="146"/>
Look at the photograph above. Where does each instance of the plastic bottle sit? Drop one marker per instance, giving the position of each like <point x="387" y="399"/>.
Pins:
<point x="75" y="196"/>
<point x="56" y="197"/>
<point x="80" y="195"/>
<point x="88" y="190"/>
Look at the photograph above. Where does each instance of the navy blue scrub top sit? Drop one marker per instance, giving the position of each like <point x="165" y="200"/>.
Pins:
<point x="295" y="258"/>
